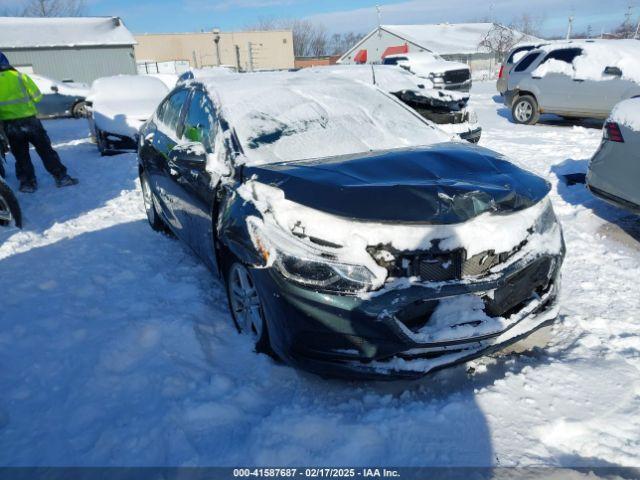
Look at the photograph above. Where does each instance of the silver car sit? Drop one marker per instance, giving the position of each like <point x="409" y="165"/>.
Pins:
<point x="514" y="56"/>
<point x="581" y="79"/>
<point x="614" y="170"/>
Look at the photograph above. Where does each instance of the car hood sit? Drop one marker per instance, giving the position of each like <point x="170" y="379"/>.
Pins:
<point x="442" y="184"/>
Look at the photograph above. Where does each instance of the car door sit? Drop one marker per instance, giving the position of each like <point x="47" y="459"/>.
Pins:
<point x="558" y="91"/>
<point x="613" y="89"/>
<point x="162" y="139"/>
<point x="195" y="175"/>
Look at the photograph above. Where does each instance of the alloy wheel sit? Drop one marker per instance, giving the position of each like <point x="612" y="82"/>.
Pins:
<point x="148" y="200"/>
<point x="524" y="111"/>
<point x="245" y="302"/>
<point x="5" y="211"/>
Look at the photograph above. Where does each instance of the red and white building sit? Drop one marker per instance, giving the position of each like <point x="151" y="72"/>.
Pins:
<point x="456" y="42"/>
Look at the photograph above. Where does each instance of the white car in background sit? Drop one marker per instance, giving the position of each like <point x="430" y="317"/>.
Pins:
<point x="119" y="106"/>
<point x="431" y="66"/>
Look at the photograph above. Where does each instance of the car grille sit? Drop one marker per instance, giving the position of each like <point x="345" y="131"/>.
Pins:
<point x="457" y="76"/>
<point x="454" y="265"/>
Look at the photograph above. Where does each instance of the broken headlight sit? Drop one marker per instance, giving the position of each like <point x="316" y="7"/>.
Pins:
<point x="304" y="263"/>
<point x="547" y="219"/>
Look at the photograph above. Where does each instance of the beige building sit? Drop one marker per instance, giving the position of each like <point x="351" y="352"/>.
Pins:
<point x="250" y="50"/>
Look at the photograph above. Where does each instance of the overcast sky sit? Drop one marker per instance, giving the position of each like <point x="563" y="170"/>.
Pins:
<point x="356" y="15"/>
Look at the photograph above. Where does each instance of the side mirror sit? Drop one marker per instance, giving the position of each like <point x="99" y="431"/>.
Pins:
<point x="191" y="155"/>
<point x="615" y="71"/>
<point x="54" y="88"/>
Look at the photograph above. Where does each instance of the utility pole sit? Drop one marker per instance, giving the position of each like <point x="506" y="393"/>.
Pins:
<point x="250" y="51"/>
<point x="216" y="40"/>
<point x="570" y="29"/>
<point x="238" y="64"/>
<point x="637" y="29"/>
<point x="379" y="13"/>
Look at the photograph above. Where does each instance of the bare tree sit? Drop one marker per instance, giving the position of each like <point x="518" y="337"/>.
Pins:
<point x="47" y="8"/>
<point x="310" y="39"/>
<point x="528" y="24"/>
<point x="499" y="40"/>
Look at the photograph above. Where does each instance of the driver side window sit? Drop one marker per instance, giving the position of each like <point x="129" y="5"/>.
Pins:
<point x="200" y="121"/>
<point x="169" y="113"/>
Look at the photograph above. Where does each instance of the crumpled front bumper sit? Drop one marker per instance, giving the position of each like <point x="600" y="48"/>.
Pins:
<point x="362" y="337"/>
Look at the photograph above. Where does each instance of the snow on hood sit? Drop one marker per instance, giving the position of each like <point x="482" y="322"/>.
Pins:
<point x="121" y="104"/>
<point x="627" y="113"/>
<point x="425" y="63"/>
<point x="71" y="89"/>
<point x="282" y="117"/>
<point x="389" y="78"/>
<point x="596" y="56"/>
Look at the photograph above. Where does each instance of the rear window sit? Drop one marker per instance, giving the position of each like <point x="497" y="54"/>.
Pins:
<point x="566" y="55"/>
<point x="518" y="54"/>
<point x="527" y="61"/>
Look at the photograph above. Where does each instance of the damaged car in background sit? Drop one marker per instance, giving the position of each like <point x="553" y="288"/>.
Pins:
<point x="446" y="108"/>
<point x="353" y="238"/>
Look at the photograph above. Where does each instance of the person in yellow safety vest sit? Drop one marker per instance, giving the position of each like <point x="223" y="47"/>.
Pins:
<point x="18" y="98"/>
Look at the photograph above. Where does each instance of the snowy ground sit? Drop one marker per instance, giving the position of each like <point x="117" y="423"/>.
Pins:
<point x="116" y="346"/>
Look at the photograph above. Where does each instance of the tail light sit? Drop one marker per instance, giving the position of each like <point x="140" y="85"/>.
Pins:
<point x="612" y="132"/>
<point x="501" y="71"/>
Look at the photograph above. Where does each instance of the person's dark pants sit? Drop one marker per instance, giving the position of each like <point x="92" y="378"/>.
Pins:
<point x="23" y="132"/>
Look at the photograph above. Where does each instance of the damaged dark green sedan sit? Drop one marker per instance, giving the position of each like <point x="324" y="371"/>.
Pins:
<point x="353" y="237"/>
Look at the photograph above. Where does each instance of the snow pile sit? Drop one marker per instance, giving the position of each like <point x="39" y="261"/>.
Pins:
<point x="627" y="113"/>
<point x="29" y="32"/>
<point x="283" y="117"/>
<point x="596" y="56"/>
<point x="121" y="104"/>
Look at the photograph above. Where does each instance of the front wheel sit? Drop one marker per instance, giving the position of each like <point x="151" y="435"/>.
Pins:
<point x="525" y="110"/>
<point x="246" y="306"/>
<point x="9" y="207"/>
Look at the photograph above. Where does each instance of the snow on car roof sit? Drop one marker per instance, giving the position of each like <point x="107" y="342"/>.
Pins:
<point x="24" y="32"/>
<point x="596" y="56"/>
<point x="281" y="117"/>
<point x="447" y="38"/>
<point x="122" y="102"/>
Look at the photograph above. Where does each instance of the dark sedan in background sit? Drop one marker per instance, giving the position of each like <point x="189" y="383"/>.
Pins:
<point x="61" y="99"/>
<point x="352" y="237"/>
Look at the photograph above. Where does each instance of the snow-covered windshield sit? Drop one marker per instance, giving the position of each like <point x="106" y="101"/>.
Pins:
<point x="287" y="117"/>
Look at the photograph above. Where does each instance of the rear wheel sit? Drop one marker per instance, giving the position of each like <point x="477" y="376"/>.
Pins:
<point x="149" y="206"/>
<point x="525" y="110"/>
<point x="246" y="306"/>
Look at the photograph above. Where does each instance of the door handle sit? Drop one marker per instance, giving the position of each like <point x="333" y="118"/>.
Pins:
<point x="578" y="80"/>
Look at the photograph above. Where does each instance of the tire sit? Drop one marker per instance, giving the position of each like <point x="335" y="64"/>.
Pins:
<point x="9" y="207"/>
<point x="525" y="110"/>
<point x="154" y="219"/>
<point x="245" y="305"/>
<point x="79" y="110"/>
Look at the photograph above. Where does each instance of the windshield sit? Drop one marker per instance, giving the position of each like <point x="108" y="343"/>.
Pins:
<point x="303" y="119"/>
